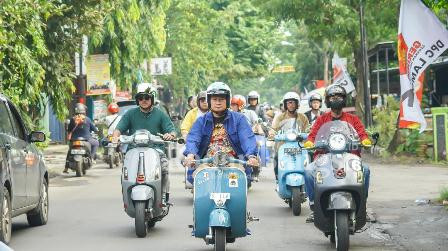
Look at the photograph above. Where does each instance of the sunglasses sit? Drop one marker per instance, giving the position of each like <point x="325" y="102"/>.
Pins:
<point x="144" y="97"/>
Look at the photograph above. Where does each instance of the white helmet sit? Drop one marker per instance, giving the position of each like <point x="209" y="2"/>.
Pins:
<point x="218" y="88"/>
<point x="291" y="96"/>
<point x="146" y="88"/>
<point x="253" y="95"/>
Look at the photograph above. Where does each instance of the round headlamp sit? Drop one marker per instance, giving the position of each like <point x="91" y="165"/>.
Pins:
<point x="291" y="136"/>
<point x="337" y="142"/>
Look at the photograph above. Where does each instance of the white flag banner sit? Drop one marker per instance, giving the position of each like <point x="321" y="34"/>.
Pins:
<point x="421" y="39"/>
<point x="340" y="74"/>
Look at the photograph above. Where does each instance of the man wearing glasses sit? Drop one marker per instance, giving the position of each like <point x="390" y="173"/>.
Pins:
<point x="148" y="117"/>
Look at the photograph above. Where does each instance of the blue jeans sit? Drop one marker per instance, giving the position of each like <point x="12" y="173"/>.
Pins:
<point x="310" y="178"/>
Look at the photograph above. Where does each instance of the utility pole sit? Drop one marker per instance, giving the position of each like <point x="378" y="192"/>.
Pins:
<point x="81" y="80"/>
<point x="365" y="64"/>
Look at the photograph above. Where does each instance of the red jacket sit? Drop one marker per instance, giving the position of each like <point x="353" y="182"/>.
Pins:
<point x="349" y="118"/>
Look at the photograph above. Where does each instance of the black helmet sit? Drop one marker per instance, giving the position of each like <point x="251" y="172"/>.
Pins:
<point x="334" y="90"/>
<point x="218" y="89"/>
<point x="80" y="108"/>
<point x="315" y="96"/>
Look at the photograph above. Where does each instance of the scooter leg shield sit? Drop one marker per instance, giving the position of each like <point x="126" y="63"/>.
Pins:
<point x="341" y="200"/>
<point x="142" y="193"/>
<point x="219" y="218"/>
<point x="295" y="179"/>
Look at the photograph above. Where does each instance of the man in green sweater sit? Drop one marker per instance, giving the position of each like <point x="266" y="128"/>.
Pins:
<point x="150" y="118"/>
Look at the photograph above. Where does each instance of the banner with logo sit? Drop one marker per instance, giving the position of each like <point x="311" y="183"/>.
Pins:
<point x="421" y="39"/>
<point x="340" y="74"/>
<point x="419" y="94"/>
<point x="98" y="74"/>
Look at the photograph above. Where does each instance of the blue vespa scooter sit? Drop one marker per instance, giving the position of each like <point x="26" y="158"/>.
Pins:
<point x="220" y="201"/>
<point x="292" y="159"/>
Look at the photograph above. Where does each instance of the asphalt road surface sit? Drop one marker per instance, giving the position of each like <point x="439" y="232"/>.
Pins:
<point x="87" y="214"/>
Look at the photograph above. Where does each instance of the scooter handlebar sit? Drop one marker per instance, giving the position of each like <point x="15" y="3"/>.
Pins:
<point x="211" y="159"/>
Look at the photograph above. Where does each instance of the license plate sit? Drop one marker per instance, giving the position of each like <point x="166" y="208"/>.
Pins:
<point x="219" y="196"/>
<point x="78" y="151"/>
<point x="292" y="150"/>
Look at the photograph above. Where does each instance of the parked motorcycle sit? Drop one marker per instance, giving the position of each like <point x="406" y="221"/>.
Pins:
<point x="220" y="201"/>
<point x="292" y="159"/>
<point x="79" y="159"/>
<point x="141" y="181"/>
<point x="112" y="152"/>
<point x="340" y="196"/>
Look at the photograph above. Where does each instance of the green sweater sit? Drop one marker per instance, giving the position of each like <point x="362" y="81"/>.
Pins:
<point x="155" y="121"/>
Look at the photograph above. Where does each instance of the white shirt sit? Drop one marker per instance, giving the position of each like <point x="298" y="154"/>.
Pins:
<point x="111" y="122"/>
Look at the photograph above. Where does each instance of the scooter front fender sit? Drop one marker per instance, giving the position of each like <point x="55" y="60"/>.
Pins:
<point x="142" y="192"/>
<point x="341" y="200"/>
<point x="295" y="179"/>
<point x="77" y="157"/>
<point x="219" y="218"/>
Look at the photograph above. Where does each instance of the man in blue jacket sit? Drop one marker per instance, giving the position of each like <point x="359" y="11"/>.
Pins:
<point x="221" y="129"/>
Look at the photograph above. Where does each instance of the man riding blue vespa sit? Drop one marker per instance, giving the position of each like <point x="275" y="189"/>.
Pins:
<point x="221" y="129"/>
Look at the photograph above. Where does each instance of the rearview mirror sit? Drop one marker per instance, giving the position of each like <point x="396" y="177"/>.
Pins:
<point x="37" y="137"/>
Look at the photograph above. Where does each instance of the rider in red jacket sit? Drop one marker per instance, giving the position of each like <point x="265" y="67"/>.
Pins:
<point x="335" y="99"/>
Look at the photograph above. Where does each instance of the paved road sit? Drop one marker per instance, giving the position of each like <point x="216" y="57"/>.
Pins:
<point x="87" y="214"/>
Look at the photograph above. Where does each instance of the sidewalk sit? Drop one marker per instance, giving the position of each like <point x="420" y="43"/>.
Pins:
<point x="54" y="156"/>
<point x="394" y="190"/>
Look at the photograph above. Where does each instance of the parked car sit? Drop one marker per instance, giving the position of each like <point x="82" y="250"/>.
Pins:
<point x="23" y="174"/>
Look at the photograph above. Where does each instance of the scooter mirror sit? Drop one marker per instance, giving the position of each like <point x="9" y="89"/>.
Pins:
<point x="181" y="141"/>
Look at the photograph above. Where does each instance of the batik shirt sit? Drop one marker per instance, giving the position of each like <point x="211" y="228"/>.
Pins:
<point x="220" y="141"/>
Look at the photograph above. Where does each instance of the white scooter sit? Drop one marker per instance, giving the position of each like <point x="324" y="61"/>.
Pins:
<point x="141" y="180"/>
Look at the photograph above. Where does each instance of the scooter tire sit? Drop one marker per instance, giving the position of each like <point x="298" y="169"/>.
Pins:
<point x="296" y="201"/>
<point x="141" y="227"/>
<point x="341" y="231"/>
<point x="111" y="162"/>
<point x="79" y="170"/>
<point x="220" y="239"/>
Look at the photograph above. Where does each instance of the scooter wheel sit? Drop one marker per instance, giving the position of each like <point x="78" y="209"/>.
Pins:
<point x="341" y="231"/>
<point x="141" y="229"/>
<point x="296" y="201"/>
<point x="79" y="170"/>
<point x="220" y="239"/>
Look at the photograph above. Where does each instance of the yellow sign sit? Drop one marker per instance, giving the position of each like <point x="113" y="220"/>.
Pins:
<point x="283" y="69"/>
<point x="98" y="74"/>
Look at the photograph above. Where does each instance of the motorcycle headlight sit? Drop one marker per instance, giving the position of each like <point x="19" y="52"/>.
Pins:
<point x="141" y="138"/>
<point x="337" y="142"/>
<point x="291" y="136"/>
<point x="221" y="159"/>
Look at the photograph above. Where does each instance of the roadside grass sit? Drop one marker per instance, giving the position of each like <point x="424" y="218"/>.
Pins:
<point x="444" y="197"/>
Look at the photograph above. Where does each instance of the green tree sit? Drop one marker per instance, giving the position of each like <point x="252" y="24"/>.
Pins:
<point x="133" y="31"/>
<point x="38" y="39"/>
<point x="338" y="22"/>
<point x="232" y="41"/>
